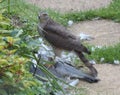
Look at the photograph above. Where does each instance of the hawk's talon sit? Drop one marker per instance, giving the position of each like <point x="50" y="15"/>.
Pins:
<point x="93" y="71"/>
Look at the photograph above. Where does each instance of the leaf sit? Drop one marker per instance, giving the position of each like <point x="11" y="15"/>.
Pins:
<point x="9" y="40"/>
<point x="2" y="10"/>
<point x="1" y="47"/>
<point x="12" y="51"/>
<point x="9" y="74"/>
<point x="1" y="81"/>
<point x="19" y="33"/>
<point x="3" y="92"/>
<point x="16" y="33"/>
<point x="3" y="62"/>
<point x="5" y="32"/>
<point x="1" y="17"/>
<point x="1" y="1"/>
<point x="34" y="44"/>
<point x="29" y="83"/>
<point x="3" y="23"/>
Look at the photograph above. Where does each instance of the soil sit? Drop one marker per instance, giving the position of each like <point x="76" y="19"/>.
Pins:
<point x="70" y="5"/>
<point x="105" y="33"/>
<point x="109" y="83"/>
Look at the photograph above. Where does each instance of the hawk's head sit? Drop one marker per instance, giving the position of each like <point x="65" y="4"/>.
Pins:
<point x="43" y="17"/>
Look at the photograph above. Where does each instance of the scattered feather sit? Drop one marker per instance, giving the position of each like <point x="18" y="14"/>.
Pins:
<point x="92" y="62"/>
<point x="34" y="63"/>
<point x="74" y="83"/>
<point x="117" y="62"/>
<point x="70" y="22"/>
<point x="99" y="47"/>
<point x="85" y="37"/>
<point x="93" y="49"/>
<point x="102" y="59"/>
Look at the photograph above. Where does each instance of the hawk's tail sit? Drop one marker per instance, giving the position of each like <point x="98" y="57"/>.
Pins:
<point x="84" y="49"/>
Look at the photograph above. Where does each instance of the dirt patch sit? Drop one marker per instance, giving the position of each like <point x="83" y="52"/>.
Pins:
<point x="105" y="32"/>
<point x="70" y="5"/>
<point x="109" y="84"/>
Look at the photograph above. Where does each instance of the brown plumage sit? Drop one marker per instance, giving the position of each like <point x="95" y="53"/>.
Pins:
<point x="61" y="39"/>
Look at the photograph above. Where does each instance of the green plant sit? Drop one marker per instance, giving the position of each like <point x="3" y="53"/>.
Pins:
<point x="8" y="6"/>
<point x="16" y="50"/>
<point x="14" y="77"/>
<point x="109" y="54"/>
<point x="111" y="12"/>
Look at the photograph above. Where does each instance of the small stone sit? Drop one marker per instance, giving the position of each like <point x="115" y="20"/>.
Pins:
<point x="117" y="62"/>
<point x="34" y="62"/>
<point x="102" y="59"/>
<point x="93" y="49"/>
<point x="85" y="37"/>
<point x="99" y="47"/>
<point x="41" y="40"/>
<point x="92" y="62"/>
<point x="74" y="83"/>
<point x="70" y="22"/>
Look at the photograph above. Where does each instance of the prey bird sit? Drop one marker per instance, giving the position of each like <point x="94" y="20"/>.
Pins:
<point x="61" y="39"/>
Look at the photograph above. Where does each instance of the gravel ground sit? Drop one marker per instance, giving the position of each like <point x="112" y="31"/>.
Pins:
<point x="105" y="32"/>
<point x="109" y="84"/>
<point x="70" y="5"/>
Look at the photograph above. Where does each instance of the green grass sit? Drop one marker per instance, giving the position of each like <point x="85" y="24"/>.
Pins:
<point x="112" y="12"/>
<point x="109" y="54"/>
<point x="30" y="12"/>
<point x="25" y="10"/>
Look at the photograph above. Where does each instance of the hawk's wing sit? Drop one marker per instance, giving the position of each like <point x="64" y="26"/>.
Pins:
<point x="60" y="37"/>
<point x="60" y="31"/>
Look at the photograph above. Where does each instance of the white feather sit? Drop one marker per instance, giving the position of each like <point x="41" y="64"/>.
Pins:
<point x="85" y="37"/>
<point x="117" y="62"/>
<point x="70" y="22"/>
<point x="74" y="83"/>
